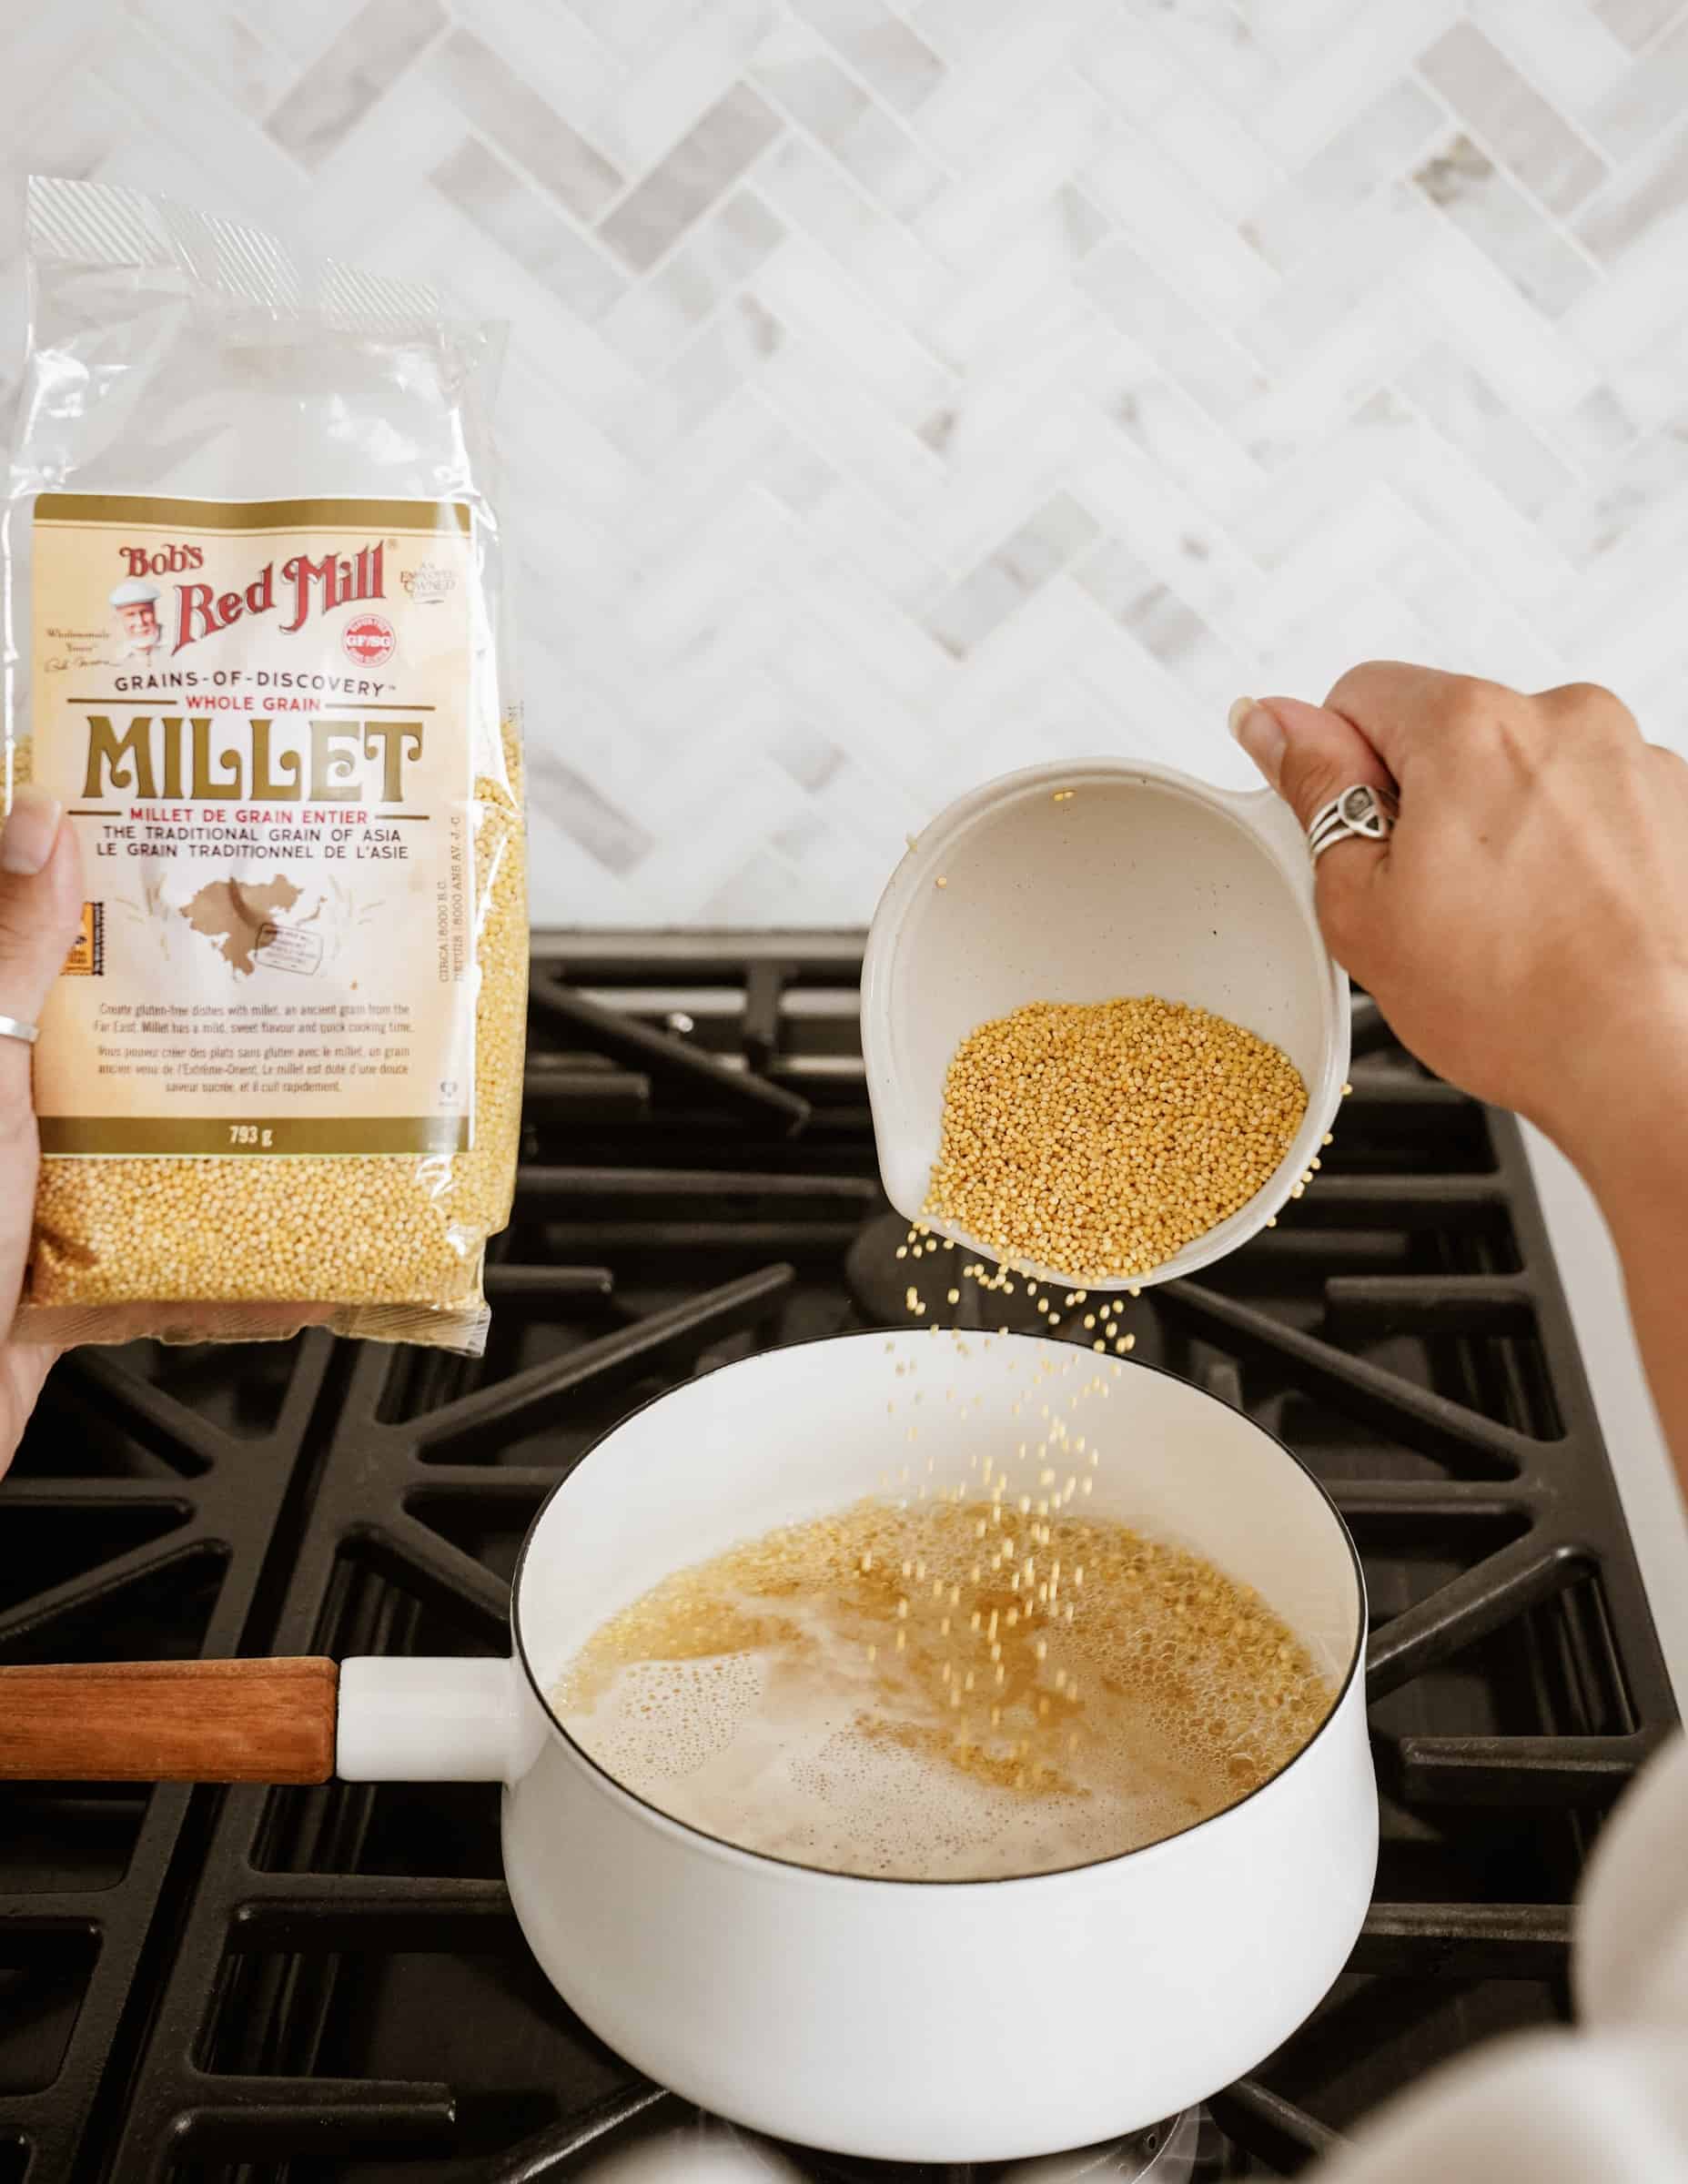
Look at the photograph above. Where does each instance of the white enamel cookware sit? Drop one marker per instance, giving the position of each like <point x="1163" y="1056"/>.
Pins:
<point x="1140" y="880"/>
<point x="937" y="2021"/>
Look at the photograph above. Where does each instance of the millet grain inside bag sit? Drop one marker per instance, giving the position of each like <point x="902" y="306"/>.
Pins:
<point x="252" y="565"/>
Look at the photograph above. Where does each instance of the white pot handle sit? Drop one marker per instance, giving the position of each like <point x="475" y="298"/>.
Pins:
<point x="404" y="1720"/>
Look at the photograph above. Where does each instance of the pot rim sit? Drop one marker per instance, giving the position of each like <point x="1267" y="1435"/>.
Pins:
<point x="722" y="1844"/>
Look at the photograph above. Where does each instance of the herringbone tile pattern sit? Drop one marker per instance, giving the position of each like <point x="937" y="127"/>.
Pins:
<point x="900" y="390"/>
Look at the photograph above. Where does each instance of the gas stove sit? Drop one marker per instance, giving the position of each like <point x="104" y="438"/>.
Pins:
<point x="330" y="1984"/>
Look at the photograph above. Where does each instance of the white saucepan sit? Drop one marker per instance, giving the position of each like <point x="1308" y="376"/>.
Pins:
<point x="935" y="2021"/>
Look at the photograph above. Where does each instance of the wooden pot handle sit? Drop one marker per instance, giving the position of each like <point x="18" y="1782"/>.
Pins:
<point x="170" y="1721"/>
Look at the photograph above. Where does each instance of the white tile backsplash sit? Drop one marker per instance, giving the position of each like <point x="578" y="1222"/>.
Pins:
<point x="900" y="390"/>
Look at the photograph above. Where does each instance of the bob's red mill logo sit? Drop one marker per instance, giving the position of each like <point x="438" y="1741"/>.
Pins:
<point x="301" y="586"/>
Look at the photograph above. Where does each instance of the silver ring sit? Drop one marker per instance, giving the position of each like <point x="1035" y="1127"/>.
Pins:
<point x="13" y="1027"/>
<point x="1360" y="813"/>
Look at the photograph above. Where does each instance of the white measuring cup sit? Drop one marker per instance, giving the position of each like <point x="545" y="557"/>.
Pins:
<point x="1143" y="880"/>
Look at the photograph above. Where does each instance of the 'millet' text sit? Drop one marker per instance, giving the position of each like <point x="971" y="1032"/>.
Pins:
<point x="172" y="757"/>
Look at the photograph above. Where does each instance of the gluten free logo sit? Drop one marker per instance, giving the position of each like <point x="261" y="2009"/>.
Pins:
<point x="368" y="639"/>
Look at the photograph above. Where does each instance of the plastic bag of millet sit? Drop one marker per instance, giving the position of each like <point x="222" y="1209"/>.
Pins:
<point x="251" y="567"/>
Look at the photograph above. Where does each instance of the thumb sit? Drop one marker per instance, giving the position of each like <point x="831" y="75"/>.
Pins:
<point x="1309" y="755"/>
<point x="40" y="904"/>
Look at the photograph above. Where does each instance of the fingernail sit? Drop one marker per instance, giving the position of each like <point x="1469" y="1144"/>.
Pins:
<point x="30" y="831"/>
<point x="1260" y="736"/>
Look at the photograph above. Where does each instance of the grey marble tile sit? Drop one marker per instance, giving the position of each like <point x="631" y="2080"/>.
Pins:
<point x="337" y="91"/>
<point x="955" y="27"/>
<point x="809" y="757"/>
<point x="1645" y="192"/>
<point x="894" y="366"/>
<point x="636" y="29"/>
<point x="1082" y="227"/>
<point x="1640" y="501"/>
<point x="826" y="407"/>
<point x="1159" y="618"/>
<point x="1570" y="56"/>
<point x="1201" y="357"/>
<point x="616" y="841"/>
<point x="889" y="162"/>
<point x="1216" y="42"/>
<point x="149" y="74"/>
<point x="524" y="127"/>
<point x="949" y="384"/>
<point x="1511" y="117"/>
<point x="1452" y="393"/>
<point x="999" y="185"/>
<point x="765" y="884"/>
<point x="303" y="32"/>
<point x="706" y="161"/>
<point x="1636" y="21"/>
<point x="547" y="47"/>
<point x="539" y="237"/>
<point x="1464" y="183"/>
<point x="1597" y="428"/>
<point x="248" y="70"/>
<point x="1021" y="566"/>
<point x="56" y="135"/>
<point x="816" y="196"/>
<point x="707" y="373"/>
<point x="805" y="82"/>
<point x="906" y="571"/>
<point x="880" y="46"/>
<point x="1178" y="437"/>
<point x="743" y="446"/>
<point x="868" y="800"/>
<point x="1650" y="98"/>
<point x="1296" y="222"/>
<point x="647" y="105"/>
<point x="655" y="316"/>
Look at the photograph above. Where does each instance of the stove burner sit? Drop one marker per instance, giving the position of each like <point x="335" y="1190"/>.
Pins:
<point x="880" y="1281"/>
<point x="650" y="2139"/>
<point x="256" y="1986"/>
<point x="1164" y="2153"/>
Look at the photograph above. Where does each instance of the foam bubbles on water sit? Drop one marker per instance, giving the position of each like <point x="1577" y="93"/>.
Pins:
<point x="663" y="1720"/>
<point x="763" y="1698"/>
<point x="808" y="1779"/>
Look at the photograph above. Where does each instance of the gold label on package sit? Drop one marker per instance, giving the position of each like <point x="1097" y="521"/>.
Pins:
<point x="259" y="716"/>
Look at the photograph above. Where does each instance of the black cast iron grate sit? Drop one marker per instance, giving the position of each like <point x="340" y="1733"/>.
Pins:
<point x="328" y="1985"/>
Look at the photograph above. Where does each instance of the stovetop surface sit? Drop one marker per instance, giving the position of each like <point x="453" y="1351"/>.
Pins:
<point x="301" y="1985"/>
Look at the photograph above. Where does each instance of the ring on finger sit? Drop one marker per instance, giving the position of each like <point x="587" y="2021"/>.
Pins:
<point x="1360" y="813"/>
<point x="14" y="1027"/>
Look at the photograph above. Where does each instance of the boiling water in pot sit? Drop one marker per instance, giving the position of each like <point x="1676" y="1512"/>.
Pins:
<point x="944" y="1691"/>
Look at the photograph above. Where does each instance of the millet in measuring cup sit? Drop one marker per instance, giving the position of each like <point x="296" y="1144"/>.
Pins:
<point x="1097" y="1138"/>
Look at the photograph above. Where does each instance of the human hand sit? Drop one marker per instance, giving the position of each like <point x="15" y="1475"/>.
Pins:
<point x="1525" y="927"/>
<point x="40" y="910"/>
